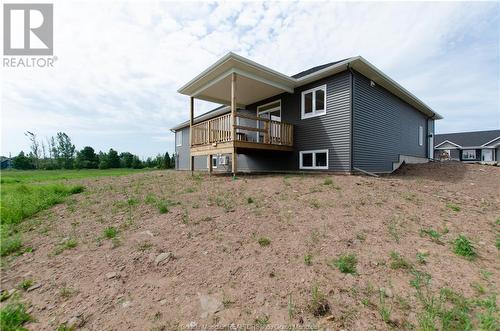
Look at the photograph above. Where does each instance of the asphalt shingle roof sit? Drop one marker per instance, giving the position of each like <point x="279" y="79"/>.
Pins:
<point x="317" y="68"/>
<point x="467" y="139"/>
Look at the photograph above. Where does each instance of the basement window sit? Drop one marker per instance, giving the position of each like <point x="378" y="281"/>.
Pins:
<point x="178" y="138"/>
<point x="317" y="159"/>
<point x="313" y="102"/>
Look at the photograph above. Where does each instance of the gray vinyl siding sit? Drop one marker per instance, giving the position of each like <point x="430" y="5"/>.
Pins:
<point x="182" y="152"/>
<point x="330" y="131"/>
<point x="384" y="127"/>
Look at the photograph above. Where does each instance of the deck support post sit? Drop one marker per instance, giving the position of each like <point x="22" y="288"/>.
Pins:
<point x="233" y="122"/>
<point x="191" y="116"/>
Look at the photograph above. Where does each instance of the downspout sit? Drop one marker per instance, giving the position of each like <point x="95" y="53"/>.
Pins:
<point x="352" y="118"/>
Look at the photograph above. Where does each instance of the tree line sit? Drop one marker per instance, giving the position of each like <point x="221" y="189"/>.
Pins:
<point x="59" y="153"/>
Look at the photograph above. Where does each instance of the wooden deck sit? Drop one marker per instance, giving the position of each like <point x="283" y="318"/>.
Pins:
<point x="219" y="136"/>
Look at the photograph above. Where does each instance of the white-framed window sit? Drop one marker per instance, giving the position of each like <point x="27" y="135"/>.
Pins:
<point x="420" y="135"/>
<point x="214" y="161"/>
<point x="469" y="154"/>
<point x="317" y="159"/>
<point x="313" y="102"/>
<point x="178" y="138"/>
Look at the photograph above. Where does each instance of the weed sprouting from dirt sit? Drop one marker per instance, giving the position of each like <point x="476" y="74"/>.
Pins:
<point x="383" y="309"/>
<point x="318" y="305"/>
<point x="69" y="243"/>
<point x="308" y="259"/>
<point x="328" y="181"/>
<point x="398" y="262"/>
<point x="110" y="232"/>
<point x="433" y="234"/>
<point x="263" y="241"/>
<point x="393" y="230"/>
<point x="345" y="263"/>
<point x="290" y="307"/>
<point x="463" y="246"/>
<point x="10" y="245"/>
<point x="262" y="321"/>
<point x="315" y="204"/>
<point x="422" y="257"/>
<point x="453" y="207"/>
<point x="250" y="200"/>
<point x="26" y="284"/>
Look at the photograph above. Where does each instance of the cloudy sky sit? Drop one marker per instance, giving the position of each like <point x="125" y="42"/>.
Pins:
<point x="120" y="63"/>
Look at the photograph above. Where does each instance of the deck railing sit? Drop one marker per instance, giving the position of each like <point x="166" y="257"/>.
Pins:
<point x="265" y="131"/>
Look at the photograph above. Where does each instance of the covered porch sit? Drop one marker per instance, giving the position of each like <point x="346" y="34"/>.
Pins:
<point x="237" y="82"/>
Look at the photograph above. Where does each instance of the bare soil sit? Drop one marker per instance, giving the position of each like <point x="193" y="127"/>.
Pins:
<point x="220" y="274"/>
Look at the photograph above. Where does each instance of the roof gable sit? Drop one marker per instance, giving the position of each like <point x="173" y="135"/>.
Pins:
<point x="468" y="139"/>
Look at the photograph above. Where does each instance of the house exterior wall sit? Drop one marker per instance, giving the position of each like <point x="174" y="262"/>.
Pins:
<point x="384" y="127"/>
<point x="454" y="153"/>
<point x="329" y="131"/>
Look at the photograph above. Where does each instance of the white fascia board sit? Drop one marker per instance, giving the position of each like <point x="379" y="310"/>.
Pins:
<point x="449" y="142"/>
<point x="492" y="140"/>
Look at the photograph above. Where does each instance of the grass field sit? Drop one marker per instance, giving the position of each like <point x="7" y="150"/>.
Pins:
<point x="25" y="193"/>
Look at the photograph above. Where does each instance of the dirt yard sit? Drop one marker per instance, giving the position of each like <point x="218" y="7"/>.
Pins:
<point x="165" y="250"/>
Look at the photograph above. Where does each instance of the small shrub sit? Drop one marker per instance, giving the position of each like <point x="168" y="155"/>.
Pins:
<point x="464" y="247"/>
<point x="318" y="305"/>
<point x="13" y="317"/>
<point x="308" y="259"/>
<point x="453" y="207"/>
<point x="398" y="262"/>
<point x="264" y="241"/>
<point x="110" y="232"/>
<point x="346" y="263"/>
<point x="162" y="208"/>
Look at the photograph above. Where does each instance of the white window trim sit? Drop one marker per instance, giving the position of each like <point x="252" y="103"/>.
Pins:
<point x="314" y="113"/>
<point x="420" y="135"/>
<point x="314" y="159"/>
<point x="178" y="142"/>
<point x="469" y="158"/>
<point x="269" y="110"/>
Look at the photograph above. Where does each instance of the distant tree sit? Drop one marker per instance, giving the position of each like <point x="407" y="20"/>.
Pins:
<point x="113" y="159"/>
<point x="22" y="162"/>
<point x="103" y="161"/>
<point x="35" y="148"/>
<point x="166" y="161"/>
<point x="172" y="162"/>
<point x="136" y="162"/>
<point x="86" y="158"/>
<point x="66" y="150"/>
<point x="126" y="159"/>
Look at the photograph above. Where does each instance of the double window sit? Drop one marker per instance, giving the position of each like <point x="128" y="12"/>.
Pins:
<point x="314" y="102"/>
<point x="313" y="159"/>
<point x="469" y="154"/>
<point x="178" y="138"/>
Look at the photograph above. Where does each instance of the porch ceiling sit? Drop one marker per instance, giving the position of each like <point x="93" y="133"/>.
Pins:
<point x="254" y="82"/>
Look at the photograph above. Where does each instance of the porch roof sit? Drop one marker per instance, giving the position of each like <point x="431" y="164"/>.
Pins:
<point x="257" y="82"/>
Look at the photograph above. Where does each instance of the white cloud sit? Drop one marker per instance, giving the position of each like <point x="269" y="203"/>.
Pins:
<point x="121" y="63"/>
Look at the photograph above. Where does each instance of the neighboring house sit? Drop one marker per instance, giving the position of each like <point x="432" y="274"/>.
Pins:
<point x="5" y="162"/>
<point x="479" y="146"/>
<point x="344" y="116"/>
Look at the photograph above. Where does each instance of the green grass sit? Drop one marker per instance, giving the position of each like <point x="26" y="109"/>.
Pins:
<point x="308" y="259"/>
<point x="67" y="244"/>
<point x="10" y="245"/>
<point x="346" y="263"/>
<point x="264" y="241"/>
<point x="318" y="305"/>
<point x="26" y="284"/>
<point x="463" y="246"/>
<point x="13" y="317"/>
<point x="453" y="207"/>
<point x="110" y="232"/>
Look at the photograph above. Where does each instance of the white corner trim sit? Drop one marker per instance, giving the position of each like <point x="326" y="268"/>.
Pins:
<point x="449" y="142"/>
<point x="313" y="159"/>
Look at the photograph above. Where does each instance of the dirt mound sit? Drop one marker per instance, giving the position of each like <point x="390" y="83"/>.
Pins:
<point x="262" y="250"/>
